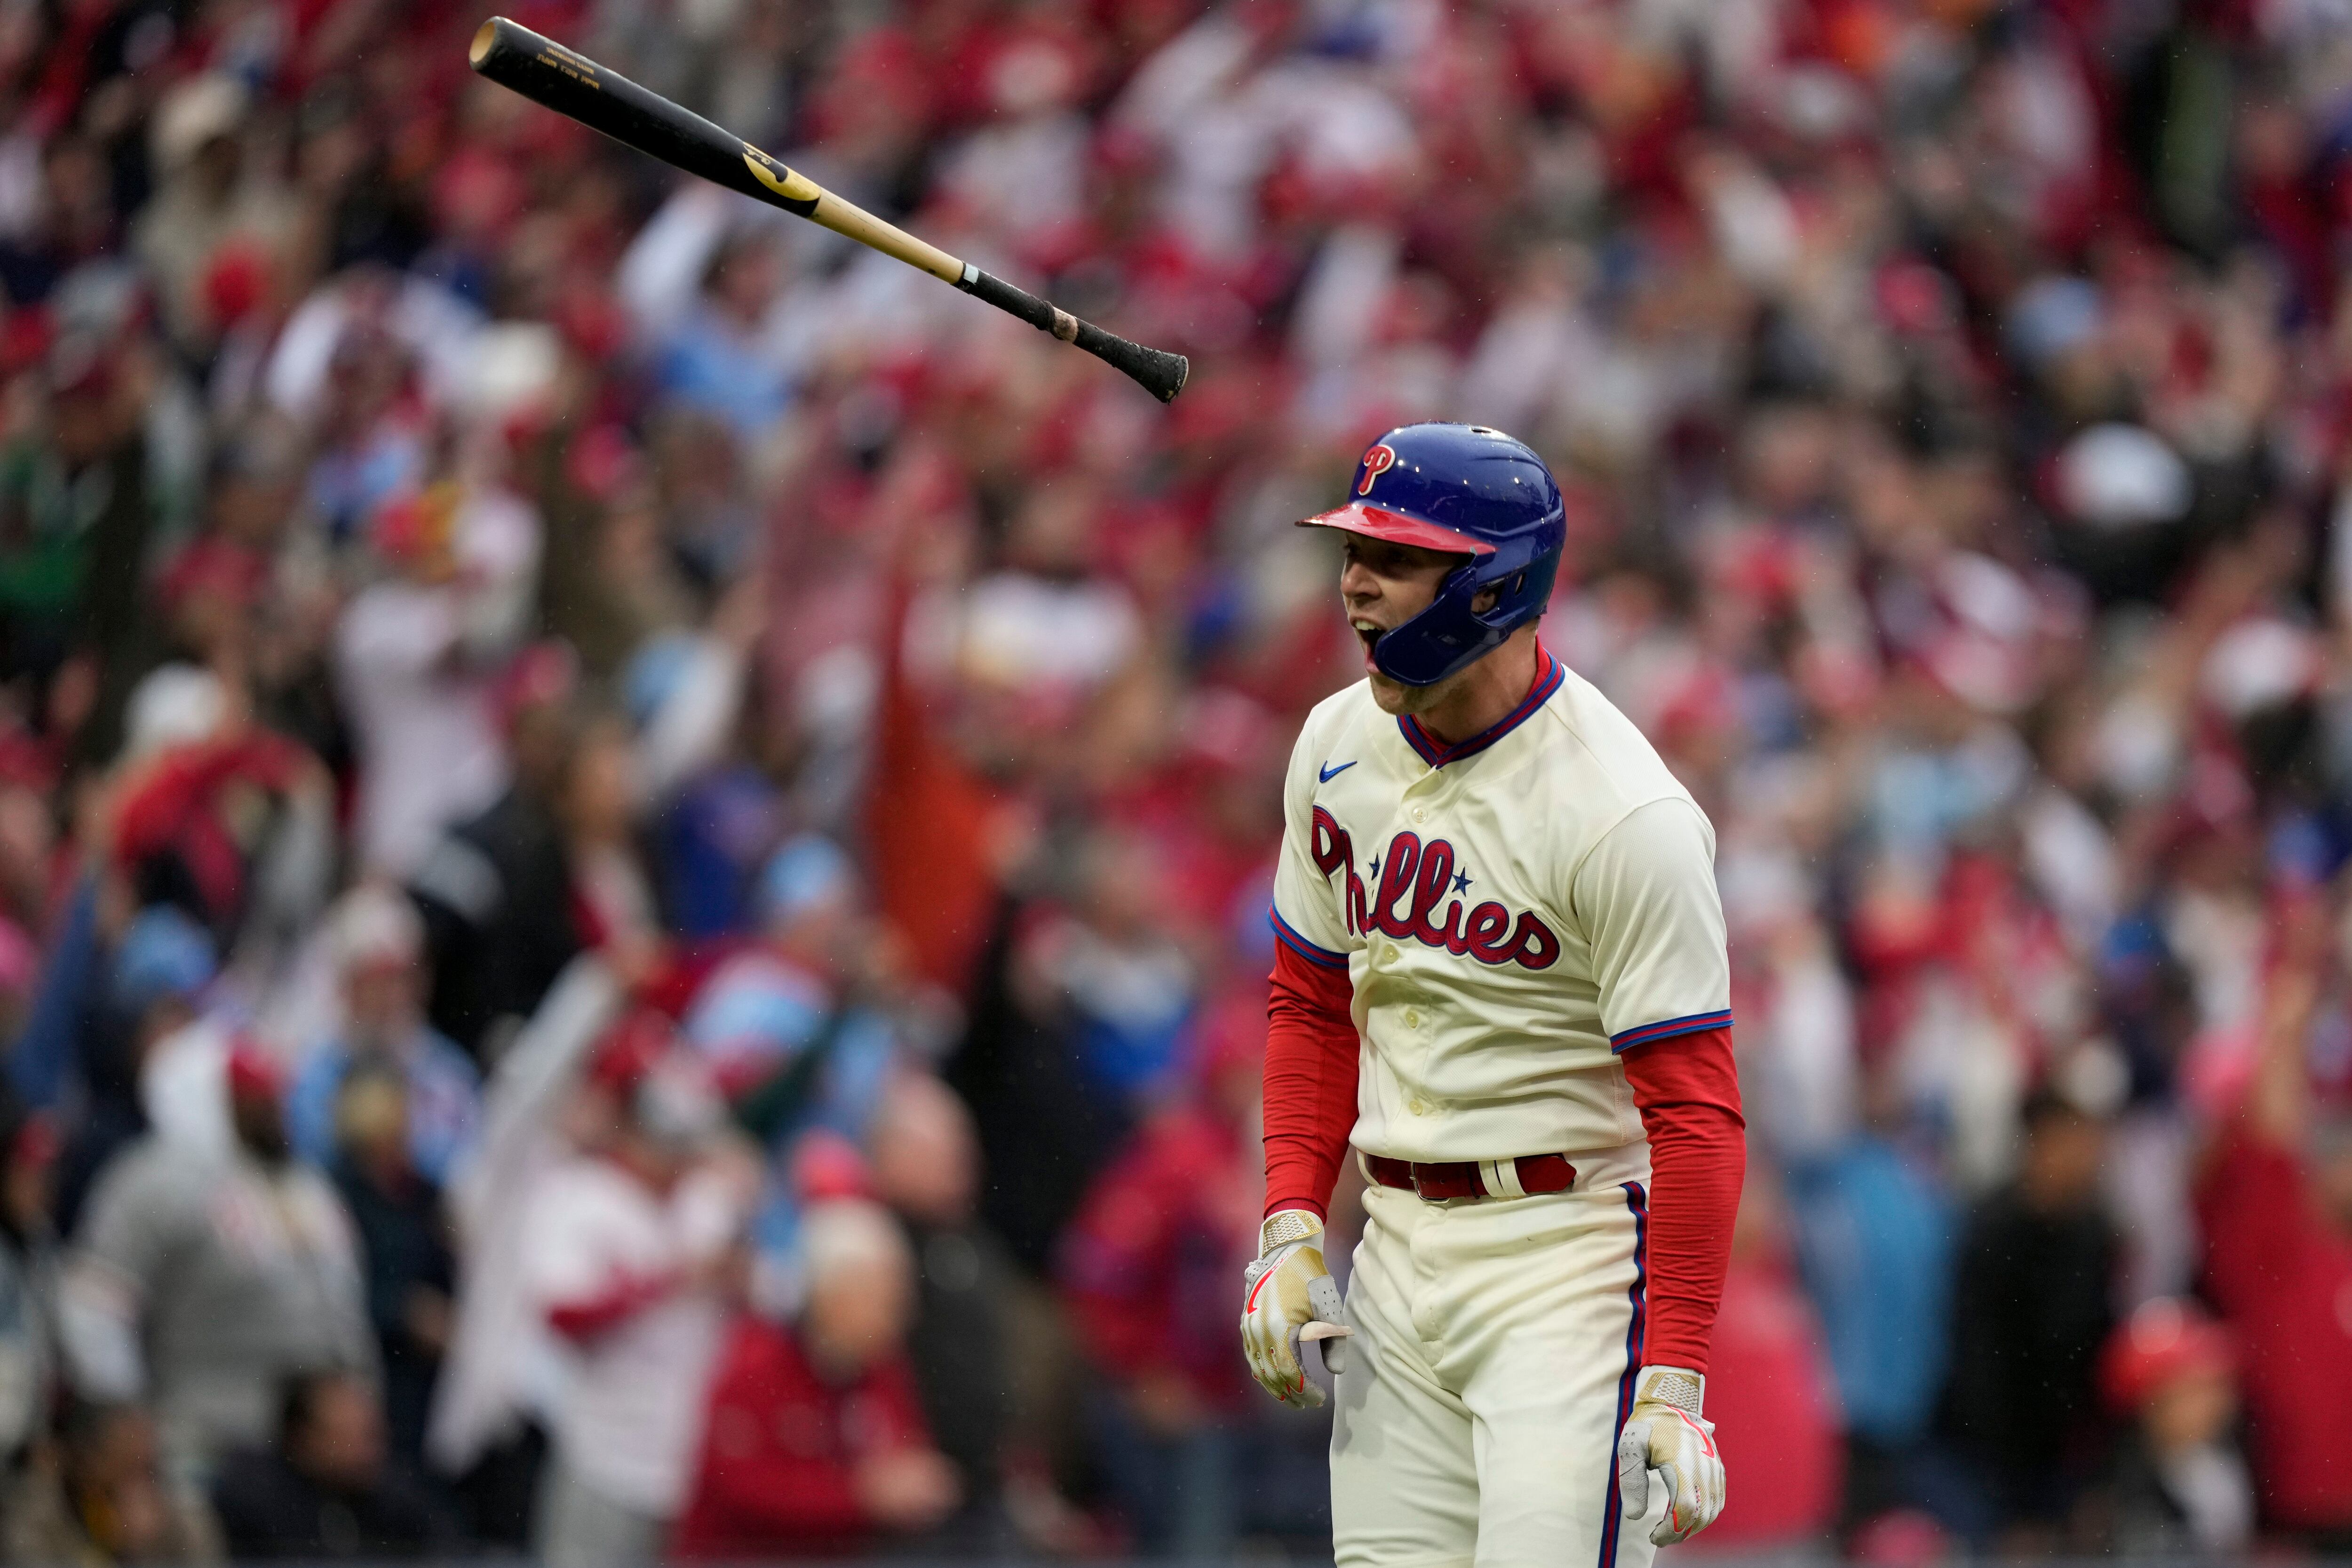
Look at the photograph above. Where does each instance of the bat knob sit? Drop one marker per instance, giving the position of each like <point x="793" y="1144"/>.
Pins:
<point x="1156" y="370"/>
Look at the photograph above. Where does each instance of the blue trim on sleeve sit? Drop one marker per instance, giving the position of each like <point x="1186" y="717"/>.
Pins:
<point x="1667" y="1028"/>
<point x="1300" y="945"/>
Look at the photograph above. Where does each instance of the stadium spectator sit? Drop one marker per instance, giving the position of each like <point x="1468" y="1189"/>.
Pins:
<point x="145" y="992"/>
<point x="1873" y="1235"/>
<point x="633" y="1259"/>
<point x="102" y="1497"/>
<point x="417" y="657"/>
<point x="326" y="1489"/>
<point x="926" y="1164"/>
<point x="2179" y="1483"/>
<point x="378" y="948"/>
<point x="404" y="1236"/>
<point x="2032" y="1305"/>
<point x="202" y="1276"/>
<point x="798" y="1026"/>
<point x="493" y="1407"/>
<point x="815" y="1442"/>
<point x="1770" y="1394"/>
<point x="205" y="799"/>
<point x="2276" y="1203"/>
<point x="495" y="892"/>
<point x="1142" y="1268"/>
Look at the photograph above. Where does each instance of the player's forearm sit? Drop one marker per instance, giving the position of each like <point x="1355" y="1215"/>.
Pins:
<point x="584" y="1318"/>
<point x="2280" y="1096"/>
<point x="1688" y="1090"/>
<point x="1310" y="1082"/>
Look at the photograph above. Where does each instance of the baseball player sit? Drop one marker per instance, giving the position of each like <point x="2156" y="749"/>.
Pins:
<point x="1501" y="979"/>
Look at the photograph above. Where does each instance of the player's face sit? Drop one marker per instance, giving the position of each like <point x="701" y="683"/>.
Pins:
<point x="1383" y="586"/>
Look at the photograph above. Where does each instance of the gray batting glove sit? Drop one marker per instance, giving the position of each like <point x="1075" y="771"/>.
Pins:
<point x="1291" y="1300"/>
<point x="1666" y="1433"/>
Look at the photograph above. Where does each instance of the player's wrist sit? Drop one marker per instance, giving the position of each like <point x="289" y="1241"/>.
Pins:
<point x="1285" y="1226"/>
<point x="1675" y="1386"/>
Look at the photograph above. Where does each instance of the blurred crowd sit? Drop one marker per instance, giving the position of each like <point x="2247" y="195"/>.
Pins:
<point x="634" y="842"/>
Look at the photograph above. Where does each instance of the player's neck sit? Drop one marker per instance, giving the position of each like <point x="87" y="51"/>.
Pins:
<point x="1483" y="696"/>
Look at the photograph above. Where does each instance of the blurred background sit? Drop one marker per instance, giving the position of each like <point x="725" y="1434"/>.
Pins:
<point x="634" y="842"/>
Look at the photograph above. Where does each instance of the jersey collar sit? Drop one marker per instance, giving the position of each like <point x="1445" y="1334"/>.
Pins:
<point x="1548" y="676"/>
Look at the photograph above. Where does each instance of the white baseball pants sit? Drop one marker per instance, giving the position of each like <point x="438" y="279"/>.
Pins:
<point x="1491" y="1368"/>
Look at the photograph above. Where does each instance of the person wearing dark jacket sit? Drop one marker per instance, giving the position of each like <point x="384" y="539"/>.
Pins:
<point x="405" y="1251"/>
<point x="495" y="893"/>
<point x="98" y="1018"/>
<point x="329" y="1490"/>
<point x="2030" y="1309"/>
<point x="926" y="1161"/>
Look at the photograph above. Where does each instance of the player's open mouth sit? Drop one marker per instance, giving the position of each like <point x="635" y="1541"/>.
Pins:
<point x="1368" y="634"/>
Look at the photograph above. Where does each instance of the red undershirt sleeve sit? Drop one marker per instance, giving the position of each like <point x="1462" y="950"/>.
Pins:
<point x="1310" y="1080"/>
<point x="1688" y="1090"/>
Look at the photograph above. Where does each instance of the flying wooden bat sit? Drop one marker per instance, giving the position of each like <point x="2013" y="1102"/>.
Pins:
<point x="554" y="77"/>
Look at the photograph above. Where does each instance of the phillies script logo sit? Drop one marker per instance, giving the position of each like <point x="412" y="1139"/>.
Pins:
<point x="1377" y="461"/>
<point x="1415" y="879"/>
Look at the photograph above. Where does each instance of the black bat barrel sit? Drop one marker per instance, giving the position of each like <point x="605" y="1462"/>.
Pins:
<point x="575" y="86"/>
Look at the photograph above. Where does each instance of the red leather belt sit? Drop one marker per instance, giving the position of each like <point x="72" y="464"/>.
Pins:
<point x="1446" y="1180"/>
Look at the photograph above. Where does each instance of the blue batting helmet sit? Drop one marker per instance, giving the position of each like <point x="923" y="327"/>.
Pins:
<point x="1468" y="491"/>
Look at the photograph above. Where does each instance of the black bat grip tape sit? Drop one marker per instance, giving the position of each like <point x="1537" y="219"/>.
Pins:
<point x="1156" y="370"/>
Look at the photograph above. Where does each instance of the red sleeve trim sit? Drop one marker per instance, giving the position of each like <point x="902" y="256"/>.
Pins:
<point x="584" y="1320"/>
<point x="1686" y="1087"/>
<point x="1311" y="1079"/>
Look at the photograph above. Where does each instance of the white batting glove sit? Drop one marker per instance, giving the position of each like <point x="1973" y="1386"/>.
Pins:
<point x="1291" y="1300"/>
<point x="1666" y="1433"/>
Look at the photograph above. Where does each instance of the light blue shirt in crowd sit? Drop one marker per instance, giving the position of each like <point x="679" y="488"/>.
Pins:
<point x="445" y="1103"/>
<point x="1874" y="1239"/>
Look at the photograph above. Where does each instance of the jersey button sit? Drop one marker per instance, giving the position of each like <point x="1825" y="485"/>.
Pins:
<point x="1417" y="1106"/>
<point x="1411" y="1018"/>
<point x="1420" y="815"/>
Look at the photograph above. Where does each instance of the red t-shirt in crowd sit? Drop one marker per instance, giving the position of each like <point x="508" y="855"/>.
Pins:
<point x="2282" y="1275"/>
<point x="1148" y="1265"/>
<point x="1769" y="1394"/>
<point x="778" y="1471"/>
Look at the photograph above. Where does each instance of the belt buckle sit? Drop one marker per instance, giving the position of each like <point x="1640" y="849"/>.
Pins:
<point x="1448" y="1200"/>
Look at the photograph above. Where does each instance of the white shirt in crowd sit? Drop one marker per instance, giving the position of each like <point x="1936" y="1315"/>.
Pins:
<point x="629" y="1417"/>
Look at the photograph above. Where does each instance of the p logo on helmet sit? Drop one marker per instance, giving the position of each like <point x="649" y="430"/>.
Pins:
<point x="1377" y="461"/>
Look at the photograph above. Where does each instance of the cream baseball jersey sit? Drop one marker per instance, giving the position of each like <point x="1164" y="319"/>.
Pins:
<point x="1512" y="912"/>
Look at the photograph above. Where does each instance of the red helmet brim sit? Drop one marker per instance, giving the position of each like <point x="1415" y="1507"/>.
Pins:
<point x="1373" y="522"/>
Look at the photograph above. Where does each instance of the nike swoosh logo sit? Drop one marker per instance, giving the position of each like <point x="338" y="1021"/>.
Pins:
<point x="1327" y="774"/>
